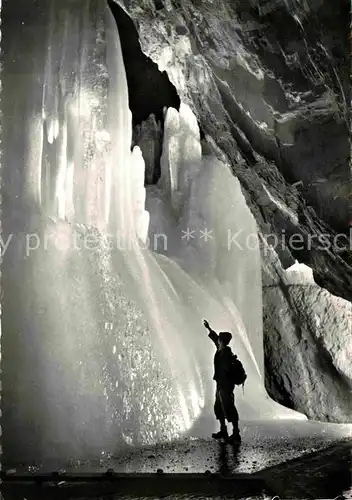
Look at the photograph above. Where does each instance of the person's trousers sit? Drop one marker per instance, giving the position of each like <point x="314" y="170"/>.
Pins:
<point x="224" y="407"/>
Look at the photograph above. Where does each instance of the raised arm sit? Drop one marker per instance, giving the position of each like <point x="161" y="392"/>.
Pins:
<point x="212" y="334"/>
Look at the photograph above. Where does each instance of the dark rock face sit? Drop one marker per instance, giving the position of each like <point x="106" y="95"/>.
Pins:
<point x="149" y="137"/>
<point x="269" y="84"/>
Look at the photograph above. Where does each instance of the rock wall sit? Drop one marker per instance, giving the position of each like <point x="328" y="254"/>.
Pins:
<point x="307" y="344"/>
<point x="149" y="137"/>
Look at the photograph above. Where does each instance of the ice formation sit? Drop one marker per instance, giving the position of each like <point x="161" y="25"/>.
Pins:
<point x="103" y="306"/>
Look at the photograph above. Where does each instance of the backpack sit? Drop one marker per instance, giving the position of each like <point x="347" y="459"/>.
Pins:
<point x="238" y="374"/>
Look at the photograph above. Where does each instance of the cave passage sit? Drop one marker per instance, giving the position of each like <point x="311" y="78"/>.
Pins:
<point x="149" y="89"/>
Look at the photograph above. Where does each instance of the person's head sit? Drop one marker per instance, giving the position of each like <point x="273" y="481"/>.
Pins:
<point x="224" y="338"/>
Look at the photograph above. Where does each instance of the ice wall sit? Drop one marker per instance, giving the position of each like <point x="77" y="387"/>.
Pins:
<point x="103" y="340"/>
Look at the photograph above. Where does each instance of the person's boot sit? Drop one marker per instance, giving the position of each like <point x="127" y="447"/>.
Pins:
<point x="235" y="437"/>
<point x="222" y="434"/>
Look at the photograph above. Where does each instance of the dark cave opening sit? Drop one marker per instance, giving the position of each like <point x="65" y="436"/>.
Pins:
<point x="149" y="89"/>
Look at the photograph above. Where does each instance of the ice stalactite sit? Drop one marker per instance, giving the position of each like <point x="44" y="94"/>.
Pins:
<point x="103" y="337"/>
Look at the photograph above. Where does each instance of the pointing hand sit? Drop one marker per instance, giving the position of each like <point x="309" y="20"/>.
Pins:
<point x="206" y="324"/>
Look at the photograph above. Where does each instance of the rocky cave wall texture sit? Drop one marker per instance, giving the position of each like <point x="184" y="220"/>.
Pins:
<point x="268" y="81"/>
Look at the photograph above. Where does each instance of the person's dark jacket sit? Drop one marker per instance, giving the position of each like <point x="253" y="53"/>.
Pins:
<point x="223" y="360"/>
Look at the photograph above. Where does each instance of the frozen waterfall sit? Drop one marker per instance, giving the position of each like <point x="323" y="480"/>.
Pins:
<point x="103" y="305"/>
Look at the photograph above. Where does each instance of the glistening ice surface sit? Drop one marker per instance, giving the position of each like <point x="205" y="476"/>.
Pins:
<point x="103" y="339"/>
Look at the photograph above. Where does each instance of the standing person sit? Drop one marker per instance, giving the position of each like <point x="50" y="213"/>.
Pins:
<point x="224" y="363"/>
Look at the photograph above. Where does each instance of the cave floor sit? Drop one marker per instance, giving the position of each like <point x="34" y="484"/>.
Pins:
<point x="291" y="459"/>
<point x="264" y="445"/>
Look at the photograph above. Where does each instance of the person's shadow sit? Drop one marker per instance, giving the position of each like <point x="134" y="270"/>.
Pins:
<point x="228" y="459"/>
